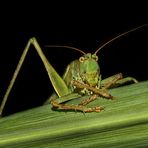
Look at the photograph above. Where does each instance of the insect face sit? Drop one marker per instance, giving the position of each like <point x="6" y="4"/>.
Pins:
<point x="89" y="69"/>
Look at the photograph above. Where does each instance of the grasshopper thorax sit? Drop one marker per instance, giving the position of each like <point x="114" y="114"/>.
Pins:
<point x="89" y="69"/>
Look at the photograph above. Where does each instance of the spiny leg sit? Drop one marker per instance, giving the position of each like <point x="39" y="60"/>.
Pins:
<point x="116" y="80"/>
<point x="60" y="104"/>
<point x="75" y="107"/>
<point x="97" y="91"/>
<point x="90" y="99"/>
<point x="111" y="81"/>
<point x="125" y="80"/>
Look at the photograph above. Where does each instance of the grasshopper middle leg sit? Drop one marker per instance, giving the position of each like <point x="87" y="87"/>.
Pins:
<point x="81" y="108"/>
<point x="116" y="80"/>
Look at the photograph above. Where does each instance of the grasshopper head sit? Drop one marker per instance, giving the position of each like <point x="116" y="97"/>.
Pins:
<point x="89" y="69"/>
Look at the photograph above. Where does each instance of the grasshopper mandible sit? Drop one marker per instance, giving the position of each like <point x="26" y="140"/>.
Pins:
<point x="82" y="77"/>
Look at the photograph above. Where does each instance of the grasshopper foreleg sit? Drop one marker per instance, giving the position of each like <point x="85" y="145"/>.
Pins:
<point x="100" y="92"/>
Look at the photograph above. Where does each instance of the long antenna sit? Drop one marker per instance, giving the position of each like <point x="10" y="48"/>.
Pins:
<point x="122" y="34"/>
<point x="63" y="46"/>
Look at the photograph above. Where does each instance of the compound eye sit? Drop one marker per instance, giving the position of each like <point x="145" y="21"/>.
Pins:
<point x="81" y="59"/>
<point x="96" y="58"/>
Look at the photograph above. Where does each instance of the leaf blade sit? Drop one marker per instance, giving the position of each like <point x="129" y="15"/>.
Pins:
<point x="123" y="123"/>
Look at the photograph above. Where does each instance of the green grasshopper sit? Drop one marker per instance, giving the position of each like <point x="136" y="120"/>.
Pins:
<point x="81" y="78"/>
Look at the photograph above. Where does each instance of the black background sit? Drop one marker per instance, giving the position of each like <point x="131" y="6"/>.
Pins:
<point x="74" y="25"/>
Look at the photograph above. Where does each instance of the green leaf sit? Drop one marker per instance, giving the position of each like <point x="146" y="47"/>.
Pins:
<point x="123" y="123"/>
